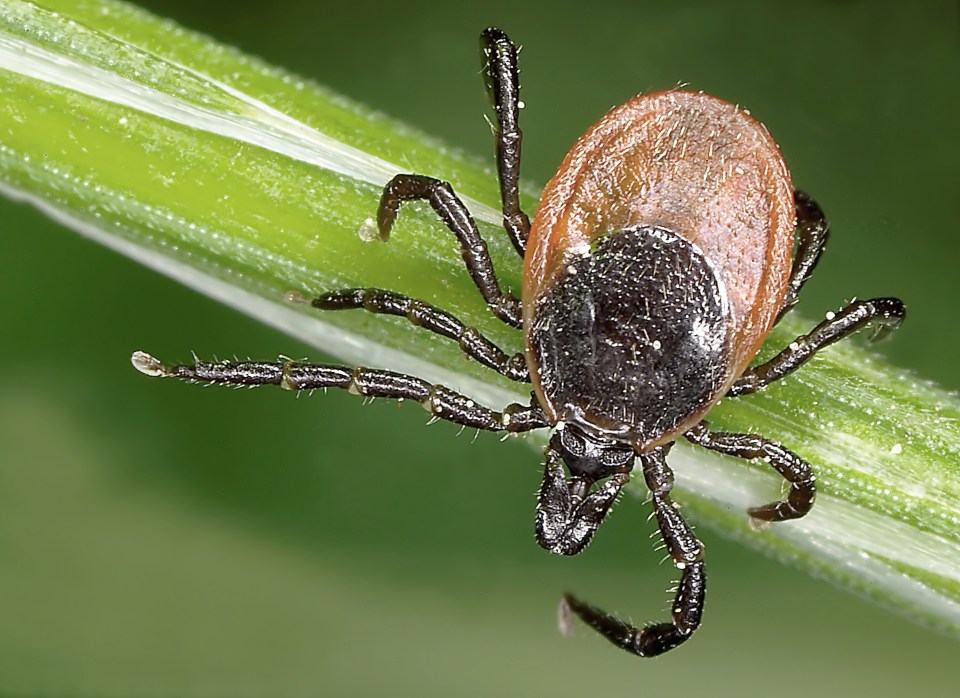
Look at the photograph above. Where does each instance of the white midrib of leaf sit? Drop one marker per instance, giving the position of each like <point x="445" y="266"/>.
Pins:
<point x="250" y="121"/>
<point x="845" y="542"/>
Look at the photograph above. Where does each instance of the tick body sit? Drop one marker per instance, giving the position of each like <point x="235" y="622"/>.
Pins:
<point x="659" y="259"/>
<point x="657" y="263"/>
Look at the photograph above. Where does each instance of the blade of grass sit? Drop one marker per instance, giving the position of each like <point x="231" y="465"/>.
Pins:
<point x="245" y="182"/>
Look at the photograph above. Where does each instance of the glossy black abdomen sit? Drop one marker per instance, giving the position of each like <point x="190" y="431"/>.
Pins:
<point x="632" y="338"/>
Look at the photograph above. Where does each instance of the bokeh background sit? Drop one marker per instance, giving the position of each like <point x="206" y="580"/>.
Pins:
<point x="158" y="539"/>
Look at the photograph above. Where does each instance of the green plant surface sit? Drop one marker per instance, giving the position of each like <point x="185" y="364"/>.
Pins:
<point x="244" y="182"/>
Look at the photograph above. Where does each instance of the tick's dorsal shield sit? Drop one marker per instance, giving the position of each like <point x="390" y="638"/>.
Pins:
<point x="632" y="338"/>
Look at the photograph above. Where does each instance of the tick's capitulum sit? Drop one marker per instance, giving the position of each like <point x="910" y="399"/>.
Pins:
<point x="657" y="263"/>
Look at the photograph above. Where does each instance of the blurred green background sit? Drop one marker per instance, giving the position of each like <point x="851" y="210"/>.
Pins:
<point x="159" y="539"/>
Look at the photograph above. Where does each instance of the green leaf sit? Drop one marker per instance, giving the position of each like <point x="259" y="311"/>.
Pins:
<point x="245" y="182"/>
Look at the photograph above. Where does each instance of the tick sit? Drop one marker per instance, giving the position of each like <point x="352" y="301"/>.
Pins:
<point x="661" y="255"/>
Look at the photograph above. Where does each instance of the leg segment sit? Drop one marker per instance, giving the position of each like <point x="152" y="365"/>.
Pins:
<point x="499" y="57"/>
<point x="440" y="195"/>
<point x="812" y="233"/>
<point x="440" y="402"/>
<point x="793" y="468"/>
<point x="429" y="317"/>
<point x="568" y="514"/>
<point x="887" y="313"/>
<point x="686" y="552"/>
<point x="683" y="546"/>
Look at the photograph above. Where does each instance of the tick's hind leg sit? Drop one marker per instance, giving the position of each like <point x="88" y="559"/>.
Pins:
<point x="452" y="211"/>
<point x="687" y="554"/>
<point x="439" y="401"/>
<point x="885" y="313"/>
<point x="429" y="317"/>
<point x="501" y="77"/>
<point x="812" y="232"/>
<point x="793" y="468"/>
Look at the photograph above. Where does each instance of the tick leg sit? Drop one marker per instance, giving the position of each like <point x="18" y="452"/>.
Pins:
<point x="429" y="317"/>
<point x="812" y="233"/>
<point x="793" y="468"/>
<point x="687" y="554"/>
<point x="454" y="214"/>
<point x="886" y="313"/>
<point x="501" y="77"/>
<point x="682" y="545"/>
<point x="439" y="401"/>
<point x="568" y="514"/>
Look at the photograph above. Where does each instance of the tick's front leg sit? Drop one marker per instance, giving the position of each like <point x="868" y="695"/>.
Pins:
<point x="687" y="554"/>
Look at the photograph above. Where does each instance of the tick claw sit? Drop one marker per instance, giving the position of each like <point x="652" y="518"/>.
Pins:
<point x="148" y="365"/>
<point x="565" y="617"/>
<point x="296" y="297"/>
